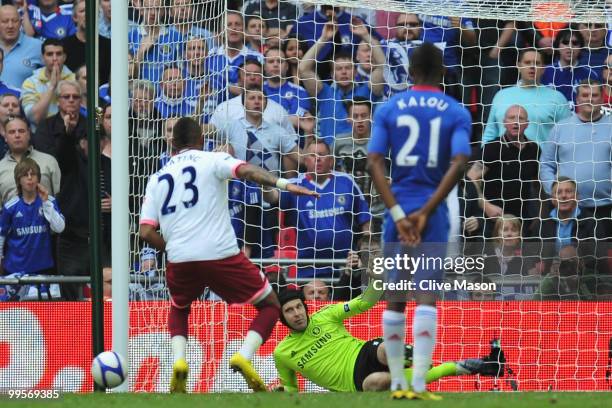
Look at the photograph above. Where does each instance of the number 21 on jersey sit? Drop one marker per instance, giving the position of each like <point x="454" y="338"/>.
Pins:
<point x="404" y="158"/>
<point x="167" y="208"/>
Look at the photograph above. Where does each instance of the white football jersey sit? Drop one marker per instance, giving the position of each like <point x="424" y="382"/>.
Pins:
<point x="187" y="198"/>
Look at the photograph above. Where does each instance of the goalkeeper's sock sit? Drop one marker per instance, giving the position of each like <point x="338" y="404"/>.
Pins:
<point x="435" y="373"/>
<point x="251" y="343"/>
<point x="424" y="335"/>
<point x="179" y="345"/>
<point x="394" y="332"/>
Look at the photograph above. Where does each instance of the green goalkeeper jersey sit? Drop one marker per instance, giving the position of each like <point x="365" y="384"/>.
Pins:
<point x="325" y="353"/>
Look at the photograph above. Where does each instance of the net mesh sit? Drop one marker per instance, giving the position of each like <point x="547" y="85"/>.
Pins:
<point x="190" y="59"/>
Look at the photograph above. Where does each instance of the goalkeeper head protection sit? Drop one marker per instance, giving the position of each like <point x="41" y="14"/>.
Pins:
<point x="287" y="296"/>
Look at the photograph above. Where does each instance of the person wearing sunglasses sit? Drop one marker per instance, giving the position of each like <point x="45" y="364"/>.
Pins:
<point x="565" y="72"/>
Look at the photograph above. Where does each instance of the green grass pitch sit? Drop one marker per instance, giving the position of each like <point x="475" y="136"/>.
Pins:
<point x="325" y="400"/>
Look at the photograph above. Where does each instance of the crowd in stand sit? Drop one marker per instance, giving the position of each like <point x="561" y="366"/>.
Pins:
<point x="292" y="87"/>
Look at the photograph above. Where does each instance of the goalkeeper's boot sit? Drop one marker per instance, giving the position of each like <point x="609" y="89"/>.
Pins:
<point x="244" y="366"/>
<point x="402" y="394"/>
<point x="425" y="396"/>
<point x="178" y="382"/>
<point x="490" y="366"/>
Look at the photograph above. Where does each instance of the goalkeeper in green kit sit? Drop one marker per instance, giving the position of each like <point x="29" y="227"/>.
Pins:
<point x="321" y="349"/>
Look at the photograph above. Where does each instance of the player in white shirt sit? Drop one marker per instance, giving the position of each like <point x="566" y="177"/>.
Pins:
<point x="187" y="201"/>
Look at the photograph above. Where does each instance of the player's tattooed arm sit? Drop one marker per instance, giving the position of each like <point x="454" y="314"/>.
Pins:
<point x="267" y="179"/>
<point x="257" y="175"/>
<point x="150" y="235"/>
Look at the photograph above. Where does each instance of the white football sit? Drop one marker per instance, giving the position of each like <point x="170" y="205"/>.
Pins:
<point x="109" y="369"/>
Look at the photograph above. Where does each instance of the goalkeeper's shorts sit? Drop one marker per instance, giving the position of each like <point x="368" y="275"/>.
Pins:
<point x="367" y="363"/>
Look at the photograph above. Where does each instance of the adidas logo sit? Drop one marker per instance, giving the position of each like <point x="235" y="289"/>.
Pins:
<point x="19" y="214"/>
<point x="309" y="204"/>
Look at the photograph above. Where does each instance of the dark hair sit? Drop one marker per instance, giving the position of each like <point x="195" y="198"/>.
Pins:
<point x="357" y="100"/>
<point x="54" y="42"/>
<point x="23" y="168"/>
<point x="344" y="55"/>
<point x="427" y="63"/>
<point x="525" y="51"/>
<point x="287" y="296"/>
<point x="186" y="132"/>
<point x="562" y="179"/>
<point x="251" y="88"/>
<point x="567" y="33"/>
<point x="302" y="45"/>
<point x="250" y="60"/>
<point x="273" y="49"/>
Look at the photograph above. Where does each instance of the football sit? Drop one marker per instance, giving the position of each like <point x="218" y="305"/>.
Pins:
<point x="109" y="369"/>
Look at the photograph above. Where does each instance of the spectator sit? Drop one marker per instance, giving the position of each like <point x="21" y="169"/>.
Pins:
<point x="351" y="153"/>
<point x="292" y="97"/>
<point x="294" y="50"/>
<point x="580" y="148"/>
<point x="143" y="115"/>
<point x="104" y="19"/>
<point x="250" y="75"/>
<point x="566" y="225"/>
<point x="408" y="32"/>
<point x="316" y="290"/>
<point x="51" y="129"/>
<point x="81" y="77"/>
<point x="18" y="140"/>
<point x="506" y="177"/>
<point x="169" y="152"/>
<point x="254" y="34"/>
<point x="565" y="73"/>
<point x="331" y="226"/>
<point x="38" y="98"/>
<point x="105" y="190"/>
<point x="173" y="99"/>
<point x="224" y="62"/>
<point x="276" y="13"/>
<point x="25" y="227"/>
<point x="146" y="143"/>
<point x="73" y="242"/>
<point x="184" y="21"/>
<point x="48" y="19"/>
<point x="259" y="142"/>
<point x="9" y="108"/>
<point x="332" y="113"/>
<point x="4" y="88"/>
<point x="507" y="257"/>
<point x="596" y="52"/>
<point x="152" y="43"/>
<point x="21" y="53"/>
<point x="544" y="105"/>
<point x="311" y="26"/>
<point x="607" y="85"/>
<point x="196" y="84"/>
<point x="569" y="280"/>
<point x="76" y="44"/>
<point x="450" y="34"/>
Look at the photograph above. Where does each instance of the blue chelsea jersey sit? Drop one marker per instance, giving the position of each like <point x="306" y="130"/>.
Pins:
<point x="27" y="236"/>
<point x="423" y="129"/>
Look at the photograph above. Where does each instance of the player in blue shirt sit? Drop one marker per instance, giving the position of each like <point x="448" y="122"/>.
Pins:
<point x="329" y="227"/>
<point x="428" y="136"/>
<point x="26" y="224"/>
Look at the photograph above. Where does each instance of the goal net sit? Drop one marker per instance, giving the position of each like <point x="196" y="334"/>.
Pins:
<point x="248" y="73"/>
